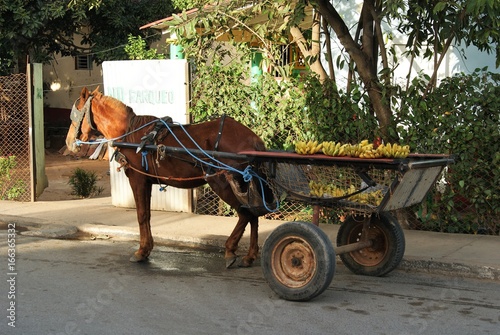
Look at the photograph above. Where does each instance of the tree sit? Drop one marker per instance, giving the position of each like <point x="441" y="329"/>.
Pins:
<point x="34" y="29"/>
<point x="440" y="23"/>
<point x="38" y="29"/>
<point x="114" y="20"/>
<point x="137" y="49"/>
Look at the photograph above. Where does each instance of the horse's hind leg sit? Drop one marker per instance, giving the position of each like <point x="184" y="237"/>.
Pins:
<point x="254" y="243"/>
<point x="235" y="237"/>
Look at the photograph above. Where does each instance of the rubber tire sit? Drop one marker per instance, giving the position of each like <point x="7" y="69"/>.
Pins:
<point x="298" y="238"/>
<point x="386" y="253"/>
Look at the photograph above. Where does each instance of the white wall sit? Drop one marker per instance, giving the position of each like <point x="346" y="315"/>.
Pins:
<point x="453" y="63"/>
<point x="62" y="71"/>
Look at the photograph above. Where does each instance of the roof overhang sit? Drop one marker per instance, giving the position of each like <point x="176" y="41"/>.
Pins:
<point x="238" y="34"/>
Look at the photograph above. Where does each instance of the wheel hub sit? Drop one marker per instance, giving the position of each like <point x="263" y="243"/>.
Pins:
<point x="374" y="254"/>
<point x="294" y="262"/>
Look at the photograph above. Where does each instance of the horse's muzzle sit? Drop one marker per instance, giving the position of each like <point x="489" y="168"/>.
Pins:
<point x="73" y="147"/>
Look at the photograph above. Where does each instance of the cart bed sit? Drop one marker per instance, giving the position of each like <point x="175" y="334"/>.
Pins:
<point x="369" y="185"/>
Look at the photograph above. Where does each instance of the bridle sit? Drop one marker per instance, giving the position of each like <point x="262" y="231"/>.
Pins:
<point x="77" y="115"/>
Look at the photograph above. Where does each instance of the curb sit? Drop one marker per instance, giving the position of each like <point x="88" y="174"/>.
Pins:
<point x="447" y="269"/>
<point x="408" y="264"/>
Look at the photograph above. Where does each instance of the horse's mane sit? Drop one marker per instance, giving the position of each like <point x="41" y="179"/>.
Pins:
<point x="114" y="103"/>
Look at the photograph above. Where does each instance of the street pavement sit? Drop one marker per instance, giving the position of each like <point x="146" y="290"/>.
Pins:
<point x="474" y="256"/>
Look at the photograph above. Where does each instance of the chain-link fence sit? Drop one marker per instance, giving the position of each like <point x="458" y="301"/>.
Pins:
<point x="338" y="191"/>
<point x="207" y="202"/>
<point x="15" y="172"/>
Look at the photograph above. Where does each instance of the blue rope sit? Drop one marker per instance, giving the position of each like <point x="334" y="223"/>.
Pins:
<point x="145" y="160"/>
<point x="247" y="173"/>
<point x="104" y="140"/>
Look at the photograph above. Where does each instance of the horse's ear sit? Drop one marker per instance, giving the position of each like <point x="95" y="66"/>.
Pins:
<point x="96" y="92"/>
<point x="84" y="94"/>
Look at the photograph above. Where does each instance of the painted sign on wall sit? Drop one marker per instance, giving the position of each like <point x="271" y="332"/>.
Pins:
<point x="149" y="87"/>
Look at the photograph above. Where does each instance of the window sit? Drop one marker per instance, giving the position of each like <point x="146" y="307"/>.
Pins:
<point x="290" y="54"/>
<point x="83" y="62"/>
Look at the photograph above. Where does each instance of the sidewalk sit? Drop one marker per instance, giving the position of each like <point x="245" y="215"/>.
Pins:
<point x="475" y="256"/>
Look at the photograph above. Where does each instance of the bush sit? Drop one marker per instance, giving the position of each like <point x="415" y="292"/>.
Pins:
<point x="459" y="117"/>
<point x="9" y="189"/>
<point x="84" y="183"/>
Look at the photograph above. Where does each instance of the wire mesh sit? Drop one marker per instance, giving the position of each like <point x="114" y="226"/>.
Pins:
<point x="340" y="191"/>
<point x="350" y="188"/>
<point x="15" y="175"/>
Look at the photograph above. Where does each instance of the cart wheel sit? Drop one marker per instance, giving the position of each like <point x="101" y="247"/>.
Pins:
<point x="386" y="252"/>
<point x="298" y="261"/>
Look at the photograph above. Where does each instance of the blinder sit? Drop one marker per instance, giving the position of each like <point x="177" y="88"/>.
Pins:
<point x="77" y="116"/>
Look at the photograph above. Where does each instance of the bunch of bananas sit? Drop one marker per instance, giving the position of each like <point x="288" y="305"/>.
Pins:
<point x="322" y="190"/>
<point x="393" y="150"/>
<point x="308" y="148"/>
<point x="356" y="150"/>
<point x="370" y="198"/>
<point x="331" y="148"/>
<point x="364" y="149"/>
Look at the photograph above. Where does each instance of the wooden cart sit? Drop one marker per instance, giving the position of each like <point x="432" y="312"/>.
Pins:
<point x="297" y="258"/>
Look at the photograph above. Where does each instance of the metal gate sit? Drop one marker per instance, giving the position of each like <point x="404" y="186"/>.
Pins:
<point x="15" y="166"/>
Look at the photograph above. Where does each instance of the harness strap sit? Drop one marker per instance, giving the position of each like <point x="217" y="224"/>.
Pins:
<point x="151" y="137"/>
<point x="78" y="115"/>
<point x="219" y="135"/>
<point x="217" y="140"/>
<point x="87" y="108"/>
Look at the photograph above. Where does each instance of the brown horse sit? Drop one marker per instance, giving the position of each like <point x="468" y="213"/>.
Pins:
<point x="114" y="120"/>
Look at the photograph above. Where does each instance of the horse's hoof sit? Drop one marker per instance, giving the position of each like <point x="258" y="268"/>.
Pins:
<point x="230" y="261"/>
<point x="246" y="263"/>
<point x="137" y="259"/>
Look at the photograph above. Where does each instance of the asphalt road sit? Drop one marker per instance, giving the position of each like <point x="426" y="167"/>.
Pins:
<point x="90" y="287"/>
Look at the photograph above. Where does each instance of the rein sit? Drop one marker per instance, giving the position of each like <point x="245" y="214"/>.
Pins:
<point x="247" y="174"/>
<point x="122" y="160"/>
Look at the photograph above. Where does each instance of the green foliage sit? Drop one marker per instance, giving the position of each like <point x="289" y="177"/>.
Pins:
<point x="84" y="182"/>
<point x="187" y="4"/>
<point x="458" y="117"/>
<point x="137" y="49"/>
<point x="24" y="27"/>
<point x="115" y="20"/>
<point x="90" y="4"/>
<point x="10" y="190"/>
<point x="461" y="118"/>
<point x="41" y="28"/>
<point x="280" y="112"/>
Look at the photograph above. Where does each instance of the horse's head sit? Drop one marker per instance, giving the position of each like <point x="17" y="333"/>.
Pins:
<point x="81" y="119"/>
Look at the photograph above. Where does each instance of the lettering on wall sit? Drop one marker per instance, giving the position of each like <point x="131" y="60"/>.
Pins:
<point x="153" y="97"/>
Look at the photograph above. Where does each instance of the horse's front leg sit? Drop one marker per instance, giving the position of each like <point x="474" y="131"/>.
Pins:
<point x="142" y="196"/>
